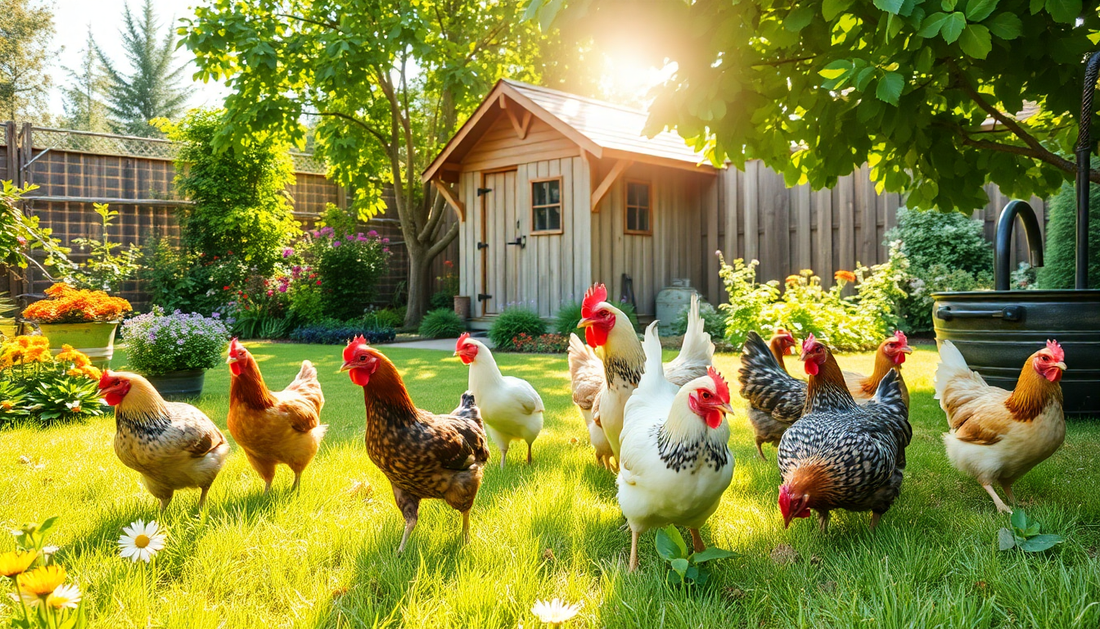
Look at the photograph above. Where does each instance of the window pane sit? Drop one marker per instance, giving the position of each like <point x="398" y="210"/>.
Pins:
<point x="554" y="217"/>
<point x="631" y="218"/>
<point x="538" y="193"/>
<point x="540" y="219"/>
<point x="643" y="220"/>
<point x="631" y="193"/>
<point x="643" y="195"/>
<point x="555" y="191"/>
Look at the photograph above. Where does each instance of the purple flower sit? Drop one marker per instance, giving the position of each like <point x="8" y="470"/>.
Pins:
<point x="348" y="238"/>
<point x="372" y="234"/>
<point x="216" y="315"/>
<point x="385" y="241"/>
<point x="282" y="288"/>
<point x="316" y="233"/>
<point x="385" y="249"/>
<point x="335" y="243"/>
<point x="288" y="252"/>
<point x="179" y="342"/>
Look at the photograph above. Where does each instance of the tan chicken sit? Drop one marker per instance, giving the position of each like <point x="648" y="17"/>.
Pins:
<point x="274" y="428"/>
<point x="589" y="384"/>
<point x="172" y="445"/>
<point x="891" y="354"/>
<point x="782" y="344"/>
<point x="997" y="435"/>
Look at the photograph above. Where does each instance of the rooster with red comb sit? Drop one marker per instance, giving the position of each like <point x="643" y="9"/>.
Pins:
<point x="608" y="328"/>
<point x="675" y="461"/>
<point x="997" y="436"/>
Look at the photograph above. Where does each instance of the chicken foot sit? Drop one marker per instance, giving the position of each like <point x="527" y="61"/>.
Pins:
<point x="1001" y="506"/>
<point x="465" y="527"/>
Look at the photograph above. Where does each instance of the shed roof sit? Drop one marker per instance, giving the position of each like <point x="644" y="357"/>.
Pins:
<point x="593" y="124"/>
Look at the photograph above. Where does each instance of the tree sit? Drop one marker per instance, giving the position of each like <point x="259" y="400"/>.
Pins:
<point x="84" y="107"/>
<point x="387" y="80"/>
<point x="925" y="91"/>
<point x="152" y="87"/>
<point x="26" y="30"/>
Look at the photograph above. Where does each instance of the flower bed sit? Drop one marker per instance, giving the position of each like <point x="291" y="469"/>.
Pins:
<point x="37" y="386"/>
<point x="65" y="304"/>
<point x="541" y="344"/>
<point x="159" y="343"/>
<point x="338" y="333"/>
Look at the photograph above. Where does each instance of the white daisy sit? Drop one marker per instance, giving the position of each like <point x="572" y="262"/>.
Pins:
<point x="65" y="596"/>
<point x="555" y="612"/>
<point x="30" y="600"/>
<point x="141" y="541"/>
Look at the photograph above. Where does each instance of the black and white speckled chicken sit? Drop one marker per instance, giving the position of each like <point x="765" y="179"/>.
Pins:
<point x="841" y="455"/>
<point x="775" y="397"/>
<point x="423" y="455"/>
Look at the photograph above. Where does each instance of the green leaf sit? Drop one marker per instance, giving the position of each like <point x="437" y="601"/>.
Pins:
<point x="863" y="77"/>
<point x="1065" y="11"/>
<point x="799" y="18"/>
<point x="890" y="6"/>
<point x="949" y="5"/>
<point x="1019" y="519"/>
<point x="953" y="27"/>
<point x="975" y="41"/>
<point x="673" y="579"/>
<point x="1040" y="543"/>
<point x="836" y="69"/>
<point x="931" y="25"/>
<point x="978" y="10"/>
<point x="712" y="553"/>
<point x="680" y="565"/>
<point x="832" y="8"/>
<point x="889" y="88"/>
<point x="925" y="59"/>
<point x="1005" y="26"/>
<point x="1005" y="539"/>
<point x="692" y="574"/>
<point x="1032" y="530"/>
<point x="670" y="544"/>
<point x="1034" y="6"/>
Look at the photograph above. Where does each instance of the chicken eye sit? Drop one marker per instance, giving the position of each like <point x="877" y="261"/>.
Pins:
<point x="362" y="358"/>
<point x="706" y="395"/>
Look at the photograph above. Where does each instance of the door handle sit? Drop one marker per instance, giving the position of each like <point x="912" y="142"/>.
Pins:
<point x="484" y="297"/>
<point x="520" y="241"/>
<point x="482" y="245"/>
<point x="1008" y="313"/>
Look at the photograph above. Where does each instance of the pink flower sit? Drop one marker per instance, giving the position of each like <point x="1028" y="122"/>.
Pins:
<point x="282" y="288"/>
<point x="318" y="282"/>
<point x="288" y="252"/>
<point x="270" y="293"/>
<point x="372" y="234"/>
<point x="315" y="233"/>
<point x="335" y="243"/>
<point x="385" y="249"/>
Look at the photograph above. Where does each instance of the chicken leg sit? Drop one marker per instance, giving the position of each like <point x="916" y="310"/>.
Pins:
<point x="760" y="450"/>
<point x="410" y="508"/>
<point x="528" y="452"/>
<point x="465" y="527"/>
<point x="633" y="550"/>
<point x="1001" y="506"/>
<point x="697" y="541"/>
<point x="1006" y="485"/>
<point x="823" y="520"/>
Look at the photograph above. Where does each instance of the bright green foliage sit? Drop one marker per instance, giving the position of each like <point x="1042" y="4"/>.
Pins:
<point x="19" y="234"/>
<point x="441" y="323"/>
<point x="151" y="89"/>
<point x="1060" y="257"/>
<point x="714" y="322"/>
<point x="685" y="568"/>
<point x="747" y="298"/>
<point x="45" y="391"/>
<point x="31" y="538"/>
<point x="903" y="85"/>
<point x="349" y="270"/>
<point x="569" y="315"/>
<point x="1024" y="534"/>
<point x="512" y="322"/>
<point x="946" y="252"/>
<point x="240" y="209"/>
<point x="105" y="268"/>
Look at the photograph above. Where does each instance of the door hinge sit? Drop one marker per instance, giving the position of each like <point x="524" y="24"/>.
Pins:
<point x="482" y="245"/>
<point x="520" y="241"/>
<point x="484" y="297"/>
<point x="483" y="191"/>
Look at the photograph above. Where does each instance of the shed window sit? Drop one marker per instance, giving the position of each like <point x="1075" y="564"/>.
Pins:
<point x="639" y="219"/>
<point x="546" y="206"/>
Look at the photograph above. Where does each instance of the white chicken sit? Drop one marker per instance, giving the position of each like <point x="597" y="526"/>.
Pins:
<point x="510" y="407"/>
<point x="589" y="385"/>
<point x="608" y="328"/>
<point x="674" y="463"/>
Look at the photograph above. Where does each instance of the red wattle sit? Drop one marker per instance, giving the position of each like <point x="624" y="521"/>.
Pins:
<point x="466" y="359"/>
<point x="112" y="399"/>
<point x="235" y="368"/>
<point x="900" y="358"/>
<point x="714" y="418"/>
<point x="812" y="368"/>
<point x="595" y="336"/>
<point x="1053" y="374"/>
<point x="360" y="376"/>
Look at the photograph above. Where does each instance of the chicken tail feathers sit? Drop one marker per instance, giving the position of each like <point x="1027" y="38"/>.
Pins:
<point x="467" y="408"/>
<point x="307" y="372"/>
<point x="889" y="390"/>
<point x="696" y="345"/>
<point x="952" y="365"/>
<point x="654" y="369"/>
<point x="319" y="432"/>
<point x="577" y="349"/>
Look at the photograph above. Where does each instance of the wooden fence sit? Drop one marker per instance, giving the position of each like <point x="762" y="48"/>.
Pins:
<point x="135" y="175"/>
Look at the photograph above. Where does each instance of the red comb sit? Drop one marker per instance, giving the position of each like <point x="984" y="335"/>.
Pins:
<point x="809" y="342"/>
<point x="235" y="347"/>
<point x="1056" y="351"/>
<point x="900" y="336"/>
<point x="353" y="344"/>
<point x="462" y="340"/>
<point x="105" y="379"/>
<point x="720" y="387"/>
<point x="596" y="294"/>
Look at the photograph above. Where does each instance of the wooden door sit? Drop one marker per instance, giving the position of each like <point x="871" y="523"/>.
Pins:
<point x="499" y="261"/>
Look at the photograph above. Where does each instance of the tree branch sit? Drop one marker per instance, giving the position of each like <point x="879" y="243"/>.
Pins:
<point x="442" y="243"/>
<point x="780" y="62"/>
<point x="331" y="25"/>
<point x="371" y="130"/>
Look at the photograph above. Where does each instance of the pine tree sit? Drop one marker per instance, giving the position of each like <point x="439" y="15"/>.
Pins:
<point x="152" y="88"/>
<point x="26" y="31"/>
<point x="84" y="107"/>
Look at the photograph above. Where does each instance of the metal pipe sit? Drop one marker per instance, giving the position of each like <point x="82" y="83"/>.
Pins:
<point x="1083" y="151"/>
<point x="1002" y="245"/>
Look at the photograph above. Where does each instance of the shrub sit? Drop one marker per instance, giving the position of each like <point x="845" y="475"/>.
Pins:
<point x="714" y="323"/>
<point x="37" y="386"/>
<point x="167" y="275"/>
<point x="747" y="298"/>
<point x="1060" y="257"/>
<point x="544" y="344"/>
<point x="934" y="241"/>
<point x="512" y="322"/>
<point x="441" y="299"/>
<point x="109" y="263"/>
<point x="65" y="304"/>
<point x="20" y="234"/>
<point x="333" y="332"/>
<point x="441" y="323"/>
<point x="385" y="318"/>
<point x="349" y="269"/>
<point x="158" y="343"/>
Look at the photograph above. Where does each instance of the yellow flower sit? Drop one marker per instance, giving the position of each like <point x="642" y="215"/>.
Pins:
<point x="64" y="596"/>
<point x="794" y="279"/>
<point x="15" y="562"/>
<point x="42" y="581"/>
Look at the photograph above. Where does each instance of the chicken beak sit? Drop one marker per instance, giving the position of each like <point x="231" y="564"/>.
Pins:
<point x="726" y="408"/>
<point x="1060" y="365"/>
<point x="586" y="322"/>
<point x="231" y="360"/>
<point x="906" y="350"/>
<point x="345" y="367"/>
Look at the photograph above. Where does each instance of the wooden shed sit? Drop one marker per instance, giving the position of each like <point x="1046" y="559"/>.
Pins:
<point x="556" y="191"/>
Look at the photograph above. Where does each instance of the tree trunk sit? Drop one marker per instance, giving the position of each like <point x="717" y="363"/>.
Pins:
<point x="420" y="285"/>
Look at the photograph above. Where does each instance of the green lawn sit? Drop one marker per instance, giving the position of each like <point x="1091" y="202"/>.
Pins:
<point x="326" y="557"/>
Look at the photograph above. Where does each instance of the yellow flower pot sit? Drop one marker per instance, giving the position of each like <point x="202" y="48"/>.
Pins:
<point x="96" y="339"/>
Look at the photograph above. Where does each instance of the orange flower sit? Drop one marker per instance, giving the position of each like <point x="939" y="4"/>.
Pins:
<point x="69" y="305"/>
<point x="845" y="276"/>
<point x="793" y="279"/>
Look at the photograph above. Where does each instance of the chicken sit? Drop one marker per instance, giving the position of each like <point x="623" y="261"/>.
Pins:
<point x="675" y="463"/>
<point x="997" y="435"/>
<point x="274" y="427"/>
<point x="776" y="398"/>
<point x="890" y="355"/>
<point x="781" y="344"/>
<point x="841" y="455"/>
<point x="589" y="384"/>
<point x="423" y="455"/>
<point x="608" y="328"/>
<point x="510" y="407"/>
<point x="172" y="445"/>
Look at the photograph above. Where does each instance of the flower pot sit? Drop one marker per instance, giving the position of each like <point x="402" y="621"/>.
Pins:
<point x="96" y="339"/>
<point x="462" y="307"/>
<point x="179" y="384"/>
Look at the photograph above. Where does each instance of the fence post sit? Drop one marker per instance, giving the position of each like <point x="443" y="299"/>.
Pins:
<point x="12" y="143"/>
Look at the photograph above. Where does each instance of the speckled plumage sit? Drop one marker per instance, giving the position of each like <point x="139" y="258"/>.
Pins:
<point x="776" y="399"/>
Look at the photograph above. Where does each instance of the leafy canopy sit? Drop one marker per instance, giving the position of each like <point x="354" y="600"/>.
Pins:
<point x="815" y="89"/>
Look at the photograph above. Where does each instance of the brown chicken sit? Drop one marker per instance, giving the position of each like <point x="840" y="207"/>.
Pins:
<point x="781" y="344"/>
<point x="997" y="435"/>
<point x="172" y="445"/>
<point x="890" y="355"/>
<point x="422" y="454"/>
<point x="274" y="427"/>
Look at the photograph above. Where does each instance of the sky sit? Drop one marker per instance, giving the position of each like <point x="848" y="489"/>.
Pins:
<point x="72" y="18"/>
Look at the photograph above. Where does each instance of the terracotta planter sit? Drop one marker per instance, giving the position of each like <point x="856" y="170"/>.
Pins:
<point x="462" y="307"/>
<point x="179" y="384"/>
<point x="96" y="339"/>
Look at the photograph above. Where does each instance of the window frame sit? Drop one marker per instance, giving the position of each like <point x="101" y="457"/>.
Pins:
<point x="626" y="207"/>
<point x="560" y="205"/>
